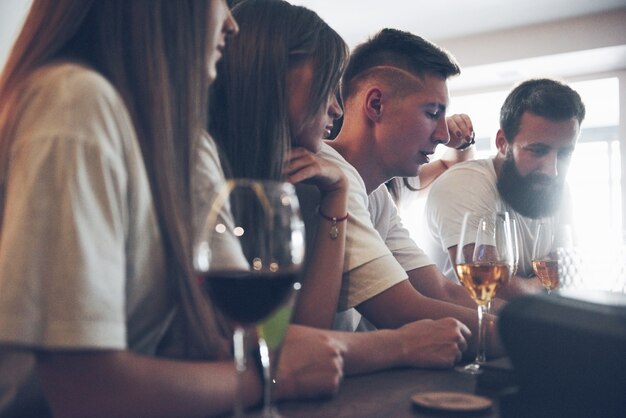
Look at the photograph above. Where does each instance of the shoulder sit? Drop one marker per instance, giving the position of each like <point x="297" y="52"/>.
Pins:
<point x="381" y="198"/>
<point x="329" y="153"/>
<point x="464" y="186"/>
<point x="208" y="161"/>
<point x="70" y="101"/>
<point x="70" y="84"/>
<point x="480" y="166"/>
<point x="474" y="172"/>
<point x="355" y="180"/>
<point x="70" y="94"/>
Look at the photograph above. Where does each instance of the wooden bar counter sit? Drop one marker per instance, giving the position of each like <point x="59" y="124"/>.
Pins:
<point x="388" y="394"/>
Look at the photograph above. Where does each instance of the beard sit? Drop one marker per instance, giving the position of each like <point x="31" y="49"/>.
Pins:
<point x="534" y="195"/>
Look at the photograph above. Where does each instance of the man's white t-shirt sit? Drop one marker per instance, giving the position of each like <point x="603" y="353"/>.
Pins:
<point x="472" y="186"/>
<point x="379" y="250"/>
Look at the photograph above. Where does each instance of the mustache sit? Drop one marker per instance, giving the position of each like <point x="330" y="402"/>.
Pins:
<point x="542" y="179"/>
<point x="534" y="195"/>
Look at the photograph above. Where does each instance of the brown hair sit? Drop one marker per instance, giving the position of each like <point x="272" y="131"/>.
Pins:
<point x="251" y="123"/>
<point x="154" y="54"/>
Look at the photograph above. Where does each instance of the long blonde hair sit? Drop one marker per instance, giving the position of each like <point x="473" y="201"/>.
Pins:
<point x="154" y="53"/>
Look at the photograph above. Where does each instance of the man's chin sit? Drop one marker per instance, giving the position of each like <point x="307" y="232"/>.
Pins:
<point x="412" y="173"/>
<point x="538" y="190"/>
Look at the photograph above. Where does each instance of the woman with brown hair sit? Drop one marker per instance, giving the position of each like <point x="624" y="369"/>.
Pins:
<point x="102" y="132"/>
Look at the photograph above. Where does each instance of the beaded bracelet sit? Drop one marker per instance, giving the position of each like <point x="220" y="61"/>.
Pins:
<point x="334" y="231"/>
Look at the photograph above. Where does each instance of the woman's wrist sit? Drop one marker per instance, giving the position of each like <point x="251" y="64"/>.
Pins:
<point x="253" y="384"/>
<point x="471" y="140"/>
<point x="395" y="353"/>
<point x="333" y="233"/>
<point x="335" y="203"/>
<point x="338" y="188"/>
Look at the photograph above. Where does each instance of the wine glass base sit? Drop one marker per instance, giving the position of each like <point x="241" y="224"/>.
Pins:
<point x="473" y="368"/>
<point x="263" y="413"/>
<point x="271" y="412"/>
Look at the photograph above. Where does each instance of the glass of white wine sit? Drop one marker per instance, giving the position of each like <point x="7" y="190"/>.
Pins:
<point x="515" y="243"/>
<point x="516" y="255"/>
<point x="484" y="261"/>
<point x="550" y="244"/>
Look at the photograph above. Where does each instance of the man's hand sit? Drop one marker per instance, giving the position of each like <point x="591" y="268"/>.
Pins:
<point x="433" y="343"/>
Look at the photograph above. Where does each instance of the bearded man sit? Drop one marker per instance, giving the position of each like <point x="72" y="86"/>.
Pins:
<point x="539" y="126"/>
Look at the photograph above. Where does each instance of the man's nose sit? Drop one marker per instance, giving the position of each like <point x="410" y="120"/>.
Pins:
<point x="441" y="134"/>
<point x="550" y="165"/>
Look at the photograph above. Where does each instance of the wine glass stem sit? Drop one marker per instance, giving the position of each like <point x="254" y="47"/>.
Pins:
<point x="482" y="333"/>
<point x="267" y="377"/>
<point x="239" y="337"/>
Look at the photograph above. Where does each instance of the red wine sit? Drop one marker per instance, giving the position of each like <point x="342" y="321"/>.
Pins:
<point x="248" y="297"/>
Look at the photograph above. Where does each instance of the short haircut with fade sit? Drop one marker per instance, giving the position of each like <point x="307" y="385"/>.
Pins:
<point x="400" y="49"/>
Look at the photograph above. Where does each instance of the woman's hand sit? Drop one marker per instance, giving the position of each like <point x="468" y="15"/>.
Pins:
<point x="302" y="165"/>
<point x="311" y="364"/>
<point x="461" y="131"/>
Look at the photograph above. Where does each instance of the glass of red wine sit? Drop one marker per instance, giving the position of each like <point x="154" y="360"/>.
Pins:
<point x="249" y="255"/>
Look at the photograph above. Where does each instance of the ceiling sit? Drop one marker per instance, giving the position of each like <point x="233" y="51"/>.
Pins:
<point x="354" y="20"/>
<point x="441" y="20"/>
<point x="452" y="21"/>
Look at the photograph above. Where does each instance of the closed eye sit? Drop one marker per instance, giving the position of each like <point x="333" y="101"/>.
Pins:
<point x="565" y="153"/>
<point x="538" y="151"/>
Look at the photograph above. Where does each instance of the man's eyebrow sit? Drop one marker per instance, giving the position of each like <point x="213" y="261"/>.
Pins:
<point x="440" y="106"/>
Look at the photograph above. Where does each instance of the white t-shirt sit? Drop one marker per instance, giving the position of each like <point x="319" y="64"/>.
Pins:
<point x="379" y="251"/>
<point x="471" y="186"/>
<point x="81" y="256"/>
<point x="387" y="221"/>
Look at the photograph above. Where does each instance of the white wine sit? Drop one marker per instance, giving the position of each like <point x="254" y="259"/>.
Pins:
<point x="482" y="280"/>
<point x="547" y="271"/>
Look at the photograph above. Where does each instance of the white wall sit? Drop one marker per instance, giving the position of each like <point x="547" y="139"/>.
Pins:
<point x="569" y="35"/>
<point x="12" y="14"/>
<point x="567" y="48"/>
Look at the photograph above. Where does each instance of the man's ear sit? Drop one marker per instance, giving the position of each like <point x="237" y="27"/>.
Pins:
<point x="374" y="104"/>
<point x="501" y="142"/>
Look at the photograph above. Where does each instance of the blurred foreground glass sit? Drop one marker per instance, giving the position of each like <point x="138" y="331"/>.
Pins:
<point x="556" y="260"/>
<point x="271" y="332"/>
<point x="484" y="261"/>
<point x="602" y="267"/>
<point x="249" y="254"/>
